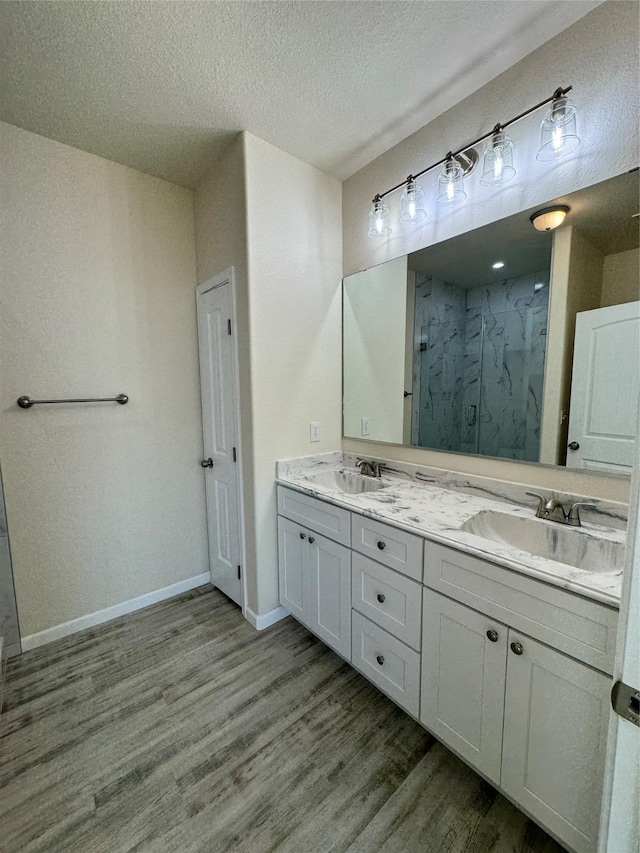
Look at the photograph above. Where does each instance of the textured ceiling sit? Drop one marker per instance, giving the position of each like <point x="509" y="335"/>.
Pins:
<point x="160" y="86"/>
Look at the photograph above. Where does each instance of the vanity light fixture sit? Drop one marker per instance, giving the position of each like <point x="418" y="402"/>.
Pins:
<point x="549" y="218"/>
<point x="558" y="132"/>
<point x="450" y="182"/>
<point x="379" y="219"/>
<point x="498" y="159"/>
<point x="558" y="137"/>
<point x="412" y="203"/>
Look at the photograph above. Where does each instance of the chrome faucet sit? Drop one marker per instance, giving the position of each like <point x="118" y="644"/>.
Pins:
<point x="552" y="509"/>
<point x="369" y="467"/>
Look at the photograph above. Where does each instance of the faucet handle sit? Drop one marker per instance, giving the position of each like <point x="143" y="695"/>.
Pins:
<point x="573" y="518"/>
<point x="541" y="502"/>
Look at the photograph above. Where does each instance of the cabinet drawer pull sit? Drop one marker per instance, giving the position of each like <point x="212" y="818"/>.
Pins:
<point x="303" y="535"/>
<point x="381" y="545"/>
<point x="312" y="539"/>
<point x="381" y="598"/>
<point x="493" y="636"/>
<point x="380" y="659"/>
<point x="516" y="648"/>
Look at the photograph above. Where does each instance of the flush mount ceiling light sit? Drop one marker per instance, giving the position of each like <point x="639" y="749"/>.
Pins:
<point x="549" y="218"/>
<point x="558" y="137"/>
<point x="498" y="265"/>
<point x="412" y="203"/>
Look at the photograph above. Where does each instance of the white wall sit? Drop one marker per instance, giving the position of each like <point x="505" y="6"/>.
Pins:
<point x="294" y="241"/>
<point x="375" y="320"/>
<point x="598" y="56"/>
<point x="105" y="502"/>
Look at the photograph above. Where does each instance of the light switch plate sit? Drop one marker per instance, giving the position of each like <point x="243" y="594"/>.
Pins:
<point x="364" y="426"/>
<point x="314" y="431"/>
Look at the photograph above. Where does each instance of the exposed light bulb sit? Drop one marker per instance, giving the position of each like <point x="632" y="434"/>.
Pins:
<point x="379" y="219"/>
<point x="498" y="159"/>
<point x="557" y="139"/>
<point x="558" y="130"/>
<point x="498" y="265"/>
<point x="412" y="203"/>
<point x="450" y="182"/>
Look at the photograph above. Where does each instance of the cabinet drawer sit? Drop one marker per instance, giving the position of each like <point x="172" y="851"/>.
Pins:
<point x="331" y="521"/>
<point x="395" y="548"/>
<point x="388" y="663"/>
<point x="582" y="628"/>
<point x="390" y="600"/>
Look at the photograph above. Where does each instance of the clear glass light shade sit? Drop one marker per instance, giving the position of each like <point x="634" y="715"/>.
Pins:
<point x="379" y="219"/>
<point x="450" y="183"/>
<point x="498" y="160"/>
<point x="412" y="203"/>
<point x="558" y="131"/>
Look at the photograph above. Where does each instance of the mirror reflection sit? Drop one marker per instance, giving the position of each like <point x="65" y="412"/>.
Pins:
<point x="509" y="341"/>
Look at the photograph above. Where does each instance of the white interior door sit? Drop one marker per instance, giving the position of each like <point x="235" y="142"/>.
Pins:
<point x="221" y="431"/>
<point x="603" y="416"/>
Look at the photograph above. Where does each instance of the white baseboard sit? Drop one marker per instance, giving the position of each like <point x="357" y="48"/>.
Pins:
<point x="32" y="641"/>
<point x="265" y="620"/>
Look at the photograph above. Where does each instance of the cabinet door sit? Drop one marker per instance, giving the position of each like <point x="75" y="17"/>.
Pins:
<point x="463" y="680"/>
<point x="330" y="592"/>
<point x="293" y="565"/>
<point x="555" y="727"/>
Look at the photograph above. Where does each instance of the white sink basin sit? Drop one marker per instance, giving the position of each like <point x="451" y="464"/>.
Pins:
<point x="570" y="545"/>
<point x="348" y="482"/>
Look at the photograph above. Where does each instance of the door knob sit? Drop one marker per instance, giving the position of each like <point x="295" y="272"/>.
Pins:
<point x="207" y="463"/>
<point x="573" y="445"/>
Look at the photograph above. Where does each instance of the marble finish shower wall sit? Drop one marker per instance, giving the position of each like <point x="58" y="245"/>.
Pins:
<point x="8" y="613"/>
<point x="438" y="363"/>
<point x="505" y="341"/>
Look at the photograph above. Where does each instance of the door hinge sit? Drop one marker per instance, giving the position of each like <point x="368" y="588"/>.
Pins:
<point x="229" y="325"/>
<point x="625" y="701"/>
<point x="235" y="456"/>
<point x="239" y="572"/>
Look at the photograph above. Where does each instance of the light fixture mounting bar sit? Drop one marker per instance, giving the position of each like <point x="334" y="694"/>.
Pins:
<point x="559" y="93"/>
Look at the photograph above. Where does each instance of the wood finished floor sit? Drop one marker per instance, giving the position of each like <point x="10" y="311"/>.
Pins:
<point x="181" y="728"/>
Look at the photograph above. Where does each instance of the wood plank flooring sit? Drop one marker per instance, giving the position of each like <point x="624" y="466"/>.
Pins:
<point x="180" y="728"/>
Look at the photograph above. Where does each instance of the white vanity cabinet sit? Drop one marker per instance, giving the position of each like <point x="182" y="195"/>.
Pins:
<point x="464" y="666"/>
<point x="512" y="673"/>
<point x="315" y="583"/>
<point x="530" y="717"/>
<point x="555" y="732"/>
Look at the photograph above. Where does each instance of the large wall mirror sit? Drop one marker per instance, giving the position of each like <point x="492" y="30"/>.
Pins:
<point x="506" y="341"/>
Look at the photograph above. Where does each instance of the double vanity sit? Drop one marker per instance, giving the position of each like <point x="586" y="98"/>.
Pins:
<point x="491" y="627"/>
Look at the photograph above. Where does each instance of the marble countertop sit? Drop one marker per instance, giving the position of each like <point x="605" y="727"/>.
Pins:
<point x="438" y="512"/>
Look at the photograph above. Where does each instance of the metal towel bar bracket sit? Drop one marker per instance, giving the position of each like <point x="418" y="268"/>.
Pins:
<point x="26" y="402"/>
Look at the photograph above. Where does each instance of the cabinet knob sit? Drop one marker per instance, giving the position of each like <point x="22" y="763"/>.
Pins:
<point x="303" y="535"/>
<point x="380" y="659"/>
<point x="312" y="539"/>
<point x="381" y="545"/>
<point x="381" y="597"/>
<point x="516" y="648"/>
<point x="492" y="635"/>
